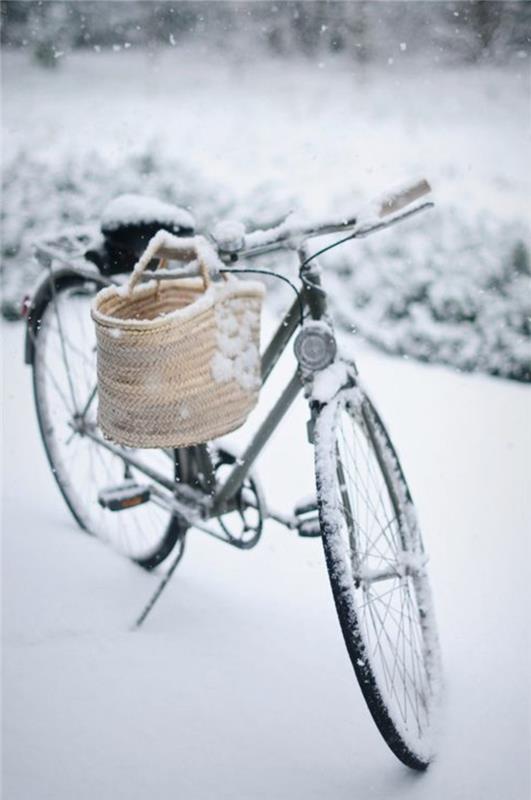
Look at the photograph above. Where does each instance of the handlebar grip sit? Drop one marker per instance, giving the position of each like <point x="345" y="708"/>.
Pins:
<point x="399" y="198"/>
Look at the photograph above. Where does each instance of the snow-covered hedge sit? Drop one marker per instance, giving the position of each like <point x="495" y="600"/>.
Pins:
<point x="448" y="289"/>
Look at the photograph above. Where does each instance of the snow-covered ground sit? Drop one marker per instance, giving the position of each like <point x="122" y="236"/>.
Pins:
<point x="238" y="686"/>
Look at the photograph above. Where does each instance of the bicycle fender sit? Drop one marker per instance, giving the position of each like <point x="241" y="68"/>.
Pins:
<point x="41" y="295"/>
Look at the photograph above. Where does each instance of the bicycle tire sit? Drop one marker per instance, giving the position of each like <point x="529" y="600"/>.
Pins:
<point x="359" y="552"/>
<point x="118" y="529"/>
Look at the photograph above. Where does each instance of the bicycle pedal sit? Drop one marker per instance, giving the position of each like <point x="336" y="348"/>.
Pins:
<point x="126" y="495"/>
<point x="309" y="527"/>
<point x="307" y="518"/>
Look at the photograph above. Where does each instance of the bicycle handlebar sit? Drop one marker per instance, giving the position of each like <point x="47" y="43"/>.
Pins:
<point x="386" y="210"/>
<point x="399" y="198"/>
<point x="233" y="244"/>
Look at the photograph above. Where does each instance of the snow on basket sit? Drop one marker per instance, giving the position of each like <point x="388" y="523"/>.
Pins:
<point x="178" y="359"/>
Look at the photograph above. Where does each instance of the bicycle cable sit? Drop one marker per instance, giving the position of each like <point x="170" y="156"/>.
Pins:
<point x="304" y="278"/>
<point x="274" y="275"/>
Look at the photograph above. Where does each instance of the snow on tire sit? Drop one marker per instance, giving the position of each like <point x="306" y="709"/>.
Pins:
<point x="377" y="569"/>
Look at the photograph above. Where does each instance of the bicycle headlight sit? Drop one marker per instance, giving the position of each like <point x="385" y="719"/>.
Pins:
<point x="315" y="346"/>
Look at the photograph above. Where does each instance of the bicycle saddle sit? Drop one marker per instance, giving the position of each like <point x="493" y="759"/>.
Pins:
<point x="128" y="222"/>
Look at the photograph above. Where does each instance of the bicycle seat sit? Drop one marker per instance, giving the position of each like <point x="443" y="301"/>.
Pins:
<point x="128" y="222"/>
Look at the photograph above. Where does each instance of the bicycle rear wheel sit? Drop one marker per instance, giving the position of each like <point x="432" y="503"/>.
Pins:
<point x="64" y="384"/>
<point x="377" y="569"/>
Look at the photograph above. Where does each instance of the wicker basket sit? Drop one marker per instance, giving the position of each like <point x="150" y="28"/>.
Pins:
<point x="178" y="360"/>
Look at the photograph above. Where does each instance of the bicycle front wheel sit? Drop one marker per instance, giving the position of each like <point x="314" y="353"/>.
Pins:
<point x="377" y="569"/>
<point x="64" y="383"/>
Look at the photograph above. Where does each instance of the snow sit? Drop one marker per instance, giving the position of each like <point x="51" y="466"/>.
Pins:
<point x="208" y="256"/>
<point x="329" y="381"/>
<point x="238" y="337"/>
<point x="229" y="234"/>
<point x="222" y="367"/>
<point x="134" y="209"/>
<point x="163" y="239"/>
<point x="287" y="229"/>
<point x="238" y="686"/>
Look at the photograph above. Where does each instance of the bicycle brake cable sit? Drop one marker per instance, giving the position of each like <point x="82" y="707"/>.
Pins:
<point x="304" y="278"/>
<point x="274" y="275"/>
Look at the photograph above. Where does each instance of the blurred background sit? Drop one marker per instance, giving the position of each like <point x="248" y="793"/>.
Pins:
<point x="249" y="110"/>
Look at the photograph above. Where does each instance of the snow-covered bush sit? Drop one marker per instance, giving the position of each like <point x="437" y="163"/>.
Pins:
<point x="444" y="289"/>
<point x="455" y="291"/>
<point x="41" y="197"/>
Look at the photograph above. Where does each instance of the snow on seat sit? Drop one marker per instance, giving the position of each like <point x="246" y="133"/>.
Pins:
<point x="128" y="223"/>
<point x="136" y="210"/>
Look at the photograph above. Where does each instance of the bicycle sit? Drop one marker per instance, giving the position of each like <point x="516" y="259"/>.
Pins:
<point x="363" y="510"/>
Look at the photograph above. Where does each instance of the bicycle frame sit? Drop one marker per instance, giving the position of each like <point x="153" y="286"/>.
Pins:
<point x="194" y="495"/>
<point x="195" y="470"/>
<point x="314" y="300"/>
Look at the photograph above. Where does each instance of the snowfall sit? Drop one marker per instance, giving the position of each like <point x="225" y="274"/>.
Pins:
<point x="238" y="685"/>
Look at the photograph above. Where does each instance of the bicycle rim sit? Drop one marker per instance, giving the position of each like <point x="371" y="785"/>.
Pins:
<point x="377" y="569"/>
<point x="64" y="382"/>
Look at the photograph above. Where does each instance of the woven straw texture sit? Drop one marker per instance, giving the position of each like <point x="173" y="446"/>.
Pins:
<point x="167" y="374"/>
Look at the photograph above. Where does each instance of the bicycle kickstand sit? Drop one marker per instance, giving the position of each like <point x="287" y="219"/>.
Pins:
<point x="160" y="588"/>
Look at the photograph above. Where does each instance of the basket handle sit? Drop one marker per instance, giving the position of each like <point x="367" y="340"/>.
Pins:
<point x="187" y="250"/>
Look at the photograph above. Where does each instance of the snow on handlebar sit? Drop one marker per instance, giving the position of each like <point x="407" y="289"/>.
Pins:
<point x="231" y="242"/>
<point x="392" y="207"/>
